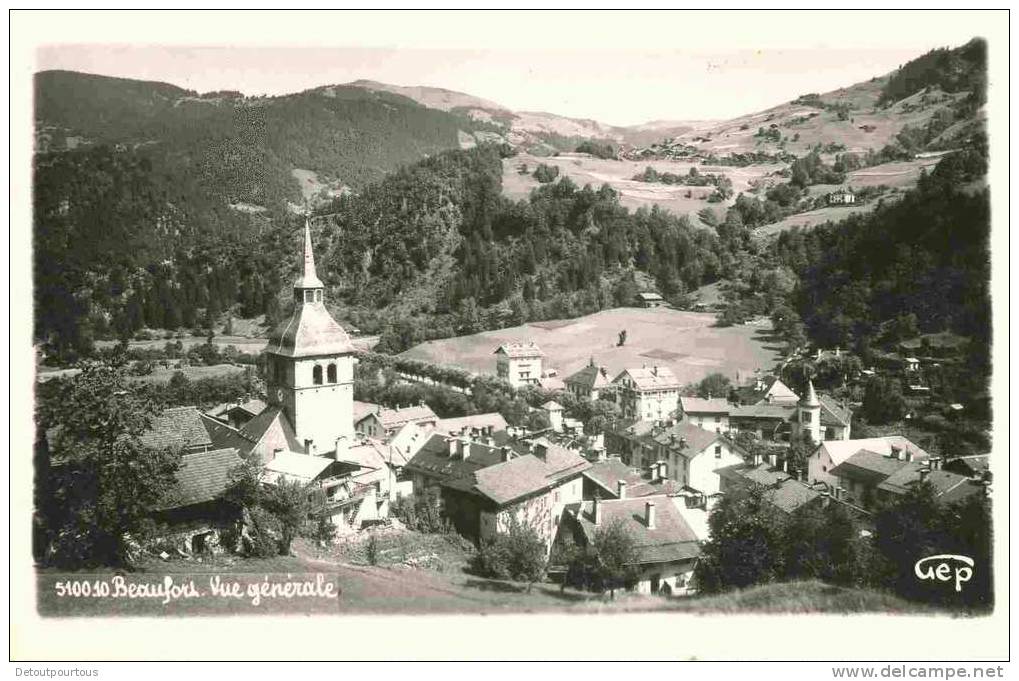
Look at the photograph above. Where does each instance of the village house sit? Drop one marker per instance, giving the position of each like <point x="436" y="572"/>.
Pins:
<point x="650" y="299"/>
<point x="711" y="413"/>
<point x="478" y="425"/>
<point x="484" y="488"/>
<point x="781" y="414"/>
<point x="682" y="451"/>
<point x="832" y="453"/>
<point x="194" y="512"/>
<point x="554" y="410"/>
<point x="666" y="546"/>
<point x="179" y="428"/>
<point x="519" y="364"/>
<point x="384" y="422"/>
<point x="588" y="383"/>
<point x="871" y="478"/>
<point x="647" y="394"/>
<point x="842" y="197"/>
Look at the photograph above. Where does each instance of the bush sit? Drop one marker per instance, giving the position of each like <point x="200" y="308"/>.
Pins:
<point x="518" y="554"/>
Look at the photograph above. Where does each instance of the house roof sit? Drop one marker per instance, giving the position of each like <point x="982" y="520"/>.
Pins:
<point x="391" y="418"/>
<point x="179" y="427"/>
<point x="697" y="439"/>
<point x="780" y="412"/>
<point x="780" y="392"/>
<point x="655" y="378"/>
<point x="552" y="405"/>
<point x="367" y="453"/>
<point x="484" y="471"/>
<point x="253" y="407"/>
<point x="840" y="450"/>
<point x="699" y="405"/>
<point x="943" y="482"/>
<point x="272" y="419"/>
<point x="810" y="398"/>
<point x="867" y="466"/>
<point x="493" y="420"/>
<point x="589" y="378"/>
<point x="201" y="477"/>
<point x="833" y="413"/>
<point x="309" y="332"/>
<point x="519" y="350"/>
<point x="608" y="473"/>
<point x="649" y="295"/>
<point x="294" y="466"/>
<point x="783" y="491"/>
<point x="224" y="435"/>
<point x="362" y="409"/>
<point x="671" y="539"/>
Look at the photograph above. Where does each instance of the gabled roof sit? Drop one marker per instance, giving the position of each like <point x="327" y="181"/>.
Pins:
<point x="589" y="378"/>
<point x="362" y="409"/>
<point x="294" y="466"/>
<point x="254" y="407"/>
<point x="552" y="405"/>
<point x="493" y="420"/>
<point x="519" y="350"/>
<point x="840" y="450"/>
<point x="948" y="486"/>
<point x="699" y="405"/>
<point x="433" y="459"/>
<point x="649" y="295"/>
<point x="516" y="478"/>
<point x="867" y="466"/>
<point x="833" y="413"/>
<point x="366" y="454"/>
<point x="272" y="419"/>
<point x="201" y="477"/>
<point x="655" y="378"/>
<point x="783" y="491"/>
<point x="392" y="418"/>
<point x="686" y="439"/>
<point x="608" y="473"/>
<point x="224" y="435"/>
<point x="179" y="427"/>
<point x="780" y="412"/>
<point x="672" y="539"/>
<point x="780" y="392"/>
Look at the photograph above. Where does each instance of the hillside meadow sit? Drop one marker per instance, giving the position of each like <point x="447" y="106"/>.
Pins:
<point x="686" y="342"/>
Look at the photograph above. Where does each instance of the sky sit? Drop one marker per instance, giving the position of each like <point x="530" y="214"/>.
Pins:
<point x="621" y="69"/>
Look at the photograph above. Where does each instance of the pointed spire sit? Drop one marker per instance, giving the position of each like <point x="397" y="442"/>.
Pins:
<point x="309" y="278"/>
<point x="810" y="400"/>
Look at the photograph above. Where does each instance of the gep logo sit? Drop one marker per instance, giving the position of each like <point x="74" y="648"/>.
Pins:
<point x="944" y="567"/>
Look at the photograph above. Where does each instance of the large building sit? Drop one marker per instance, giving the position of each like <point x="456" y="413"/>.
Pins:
<point x="519" y="364"/>
<point x="647" y="394"/>
<point x="589" y="382"/>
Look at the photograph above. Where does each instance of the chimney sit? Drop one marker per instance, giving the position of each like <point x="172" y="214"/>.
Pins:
<point x="596" y="511"/>
<point x="825" y="499"/>
<point x="452" y="446"/>
<point x="649" y="515"/>
<point x="464" y="448"/>
<point x="621" y="489"/>
<point x="663" y="469"/>
<point x="276" y="452"/>
<point x="342" y="448"/>
<point x="769" y="398"/>
<point x="540" y="450"/>
<point x="785" y="465"/>
<point x="309" y="446"/>
<point x="935" y="462"/>
<point x="757" y="459"/>
<point x="506" y="453"/>
<point x="924" y="472"/>
<point x="773" y="460"/>
<point x="654" y="370"/>
<point x="894" y="452"/>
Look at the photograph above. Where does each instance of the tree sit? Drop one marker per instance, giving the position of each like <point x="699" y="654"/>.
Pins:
<point x="746" y="546"/>
<point x="289" y="503"/>
<point x="616" y="554"/>
<point x="519" y="554"/>
<point x="714" y="385"/>
<point x="883" y="401"/>
<point x="108" y="483"/>
<point x="538" y="420"/>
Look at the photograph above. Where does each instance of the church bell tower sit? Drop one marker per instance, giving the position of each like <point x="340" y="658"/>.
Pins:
<point x="310" y="366"/>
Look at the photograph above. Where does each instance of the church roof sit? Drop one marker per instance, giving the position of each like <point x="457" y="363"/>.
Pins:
<point x="309" y="277"/>
<point x="311" y="331"/>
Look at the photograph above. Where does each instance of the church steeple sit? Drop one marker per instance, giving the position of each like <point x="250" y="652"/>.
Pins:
<point x="308" y="288"/>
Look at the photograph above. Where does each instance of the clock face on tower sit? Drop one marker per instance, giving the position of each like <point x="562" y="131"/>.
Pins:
<point x="279" y="394"/>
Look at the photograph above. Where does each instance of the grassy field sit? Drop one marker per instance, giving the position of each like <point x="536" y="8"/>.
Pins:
<point x="585" y="169"/>
<point x="686" y="342"/>
<point x="798" y="597"/>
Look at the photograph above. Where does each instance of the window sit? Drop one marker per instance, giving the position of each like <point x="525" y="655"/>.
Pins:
<point x="718" y="451"/>
<point x="309" y="296"/>
<point x="331" y="373"/>
<point x="318" y="296"/>
<point x="316" y="375"/>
